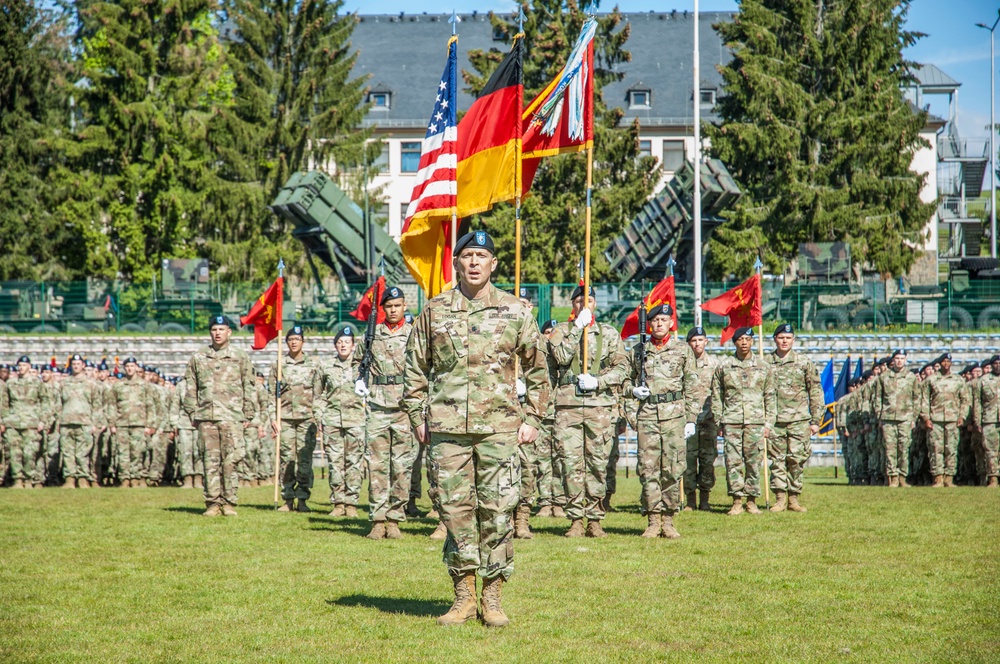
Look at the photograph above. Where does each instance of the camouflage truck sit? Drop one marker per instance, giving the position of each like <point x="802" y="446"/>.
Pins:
<point x="41" y="307"/>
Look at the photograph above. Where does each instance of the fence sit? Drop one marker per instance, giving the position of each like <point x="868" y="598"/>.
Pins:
<point x="96" y="306"/>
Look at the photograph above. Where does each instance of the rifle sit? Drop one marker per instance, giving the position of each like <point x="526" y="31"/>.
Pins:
<point x="366" y="361"/>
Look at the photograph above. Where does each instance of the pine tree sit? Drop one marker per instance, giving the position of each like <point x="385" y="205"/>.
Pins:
<point x="553" y="215"/>
<point x="815" y="128"/>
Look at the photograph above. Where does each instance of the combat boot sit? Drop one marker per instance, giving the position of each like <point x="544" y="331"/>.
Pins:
<point x="18" y="484"/>
<point x="703" y="501"/>
<point x="377" y="531"/>
<point x="351" y="512"/>
<point x="793" y="503"/>
<point x="737" y="507"/>
<point x="948" y="482"/>
<point x="903" y="483"/>
<point x="490" y="609"/>
<point x="594" y="529"/>
<point x="83" y="483"/>
<point x="653" y="529"/>
<point x="199" y="483"/>
<point x="35" y="485"/>
<point x="667" y="527"/>
<point x="522" y="529"/>
<point x="392" y="530"/>
<point x="464" y="606"/>
<point x="188" y="482"/>
<point x="287" y="507"/>
<point x="545" y="510"/>
<point x="575" y="528"/>
<point x="780" y="502"/>
<point x="213" y="510"/>
<point x="893" y="482"/>
<point x="938" y="482"/>
<point x="411" y="508"/>
<point x="992" y="482"/>
<point x="338" y="510"/>
<point x="751" y="507"/>
<point x="558" y="512"/>
<point x="440" y="532"/>
<point x="228" y="510"/>
<point x="433" y="514"/>
<point x="301" y="506"/>
<point x="689" y="502"/>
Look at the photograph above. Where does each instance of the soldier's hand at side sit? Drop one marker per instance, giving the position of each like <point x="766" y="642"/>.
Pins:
<point x="928" y="424"/>
<point x="526" y="434"/>
<point x="584" y="318"/>
<point x="767" y="432"/>
<point x="150" y="431"/>
<point x="522" y="389"/>
<point x="814" y="428"/>
<point x="587" y="382"/>
<point x="260" y="431"/>
<point x="641" y="392"/>
<point x="689" y="430"/>
<point x="41" y="427"/>
<point x="421" y="433"/>
<point x="3" y="429"/>
<point x="113" y="429"/>
<point x="361" y="389"/>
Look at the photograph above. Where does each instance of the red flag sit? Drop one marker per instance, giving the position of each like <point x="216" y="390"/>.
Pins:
<point x="265" y="315"/>
<point x="742" y="304"/>
<point x="373" y="294"/>
<point x="662" y="293"/>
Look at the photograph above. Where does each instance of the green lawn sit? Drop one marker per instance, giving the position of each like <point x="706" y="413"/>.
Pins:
<point x="868" y="575"/>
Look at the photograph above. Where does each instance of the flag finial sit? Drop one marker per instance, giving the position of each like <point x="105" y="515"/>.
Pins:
<point x="670" y="265"/>
<point x="281" y="267"/>
<point x="454" y="20"/>
<point x="758" y="265"/>
<point x="520" y="17"/>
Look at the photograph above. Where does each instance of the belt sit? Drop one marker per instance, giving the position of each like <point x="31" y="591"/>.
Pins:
<point x="568" y="379"/>
<point x="388" y="380"/>
<point x="666" y="397"/>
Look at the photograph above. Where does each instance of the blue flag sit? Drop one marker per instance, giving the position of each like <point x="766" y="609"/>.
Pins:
<point x="845" y="375"/>
<point x="859" y="368"/>
<point x="826" y="380"/>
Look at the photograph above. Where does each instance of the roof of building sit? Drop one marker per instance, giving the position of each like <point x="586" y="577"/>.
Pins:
<point x="930" y="76"/>
<point x="405" y="55"/>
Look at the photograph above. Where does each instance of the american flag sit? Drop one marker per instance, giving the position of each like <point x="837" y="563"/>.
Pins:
<point x="435" y="190"/>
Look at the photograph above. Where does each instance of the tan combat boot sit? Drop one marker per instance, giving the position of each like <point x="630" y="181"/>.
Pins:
<point x="464" y="606"/>
<point x="558" y="512"/>
<point x="948" y="481"/>
<point x="338" y="510"/>
<point x="228" y="510"/>
<point x="689" y="502"/>
<point x="288" y="506"/>
<point x="83" y="483"/>
<point x="490" y="609"/>
<point x="440" y="533"/>
<point x="392" y="530"/>
<point x="893" y="482"/>
<point x="793" y="503"/>
<point x="433" y="514"/>
<point x="703" y="501"/>
<point x="377" y="531"/>
<point x="903" y="483"/>
<point x="411" y="508"/>
<point x="35" y="485"/>
<point x="188" y="482"/>
<point x="751" y="507"/>
<point x="301" y="506"/>
<point x="575" y="528"/>
<point x="594" y="529"/>
<point x="522" y="529"/>
<point x="667" y="527"/>
<point x="938" y="482"/>
<point x="199" y="483"/>
<point x="18" y="484"/>
<point x="653" y="529"/>
<point x="213" y="510"/>
<point x="737" y="507"/>
<point x="993" y="483"/>
<point x="350" y="511"/>
<point x="780" y="502"/>
<point x="545" y="510"/>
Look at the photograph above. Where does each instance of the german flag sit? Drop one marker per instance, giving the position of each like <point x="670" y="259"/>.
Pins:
<point x="489" y="139"/>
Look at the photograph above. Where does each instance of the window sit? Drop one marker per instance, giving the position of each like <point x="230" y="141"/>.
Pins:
<point x="382" y="161"/>
<point x="380" y="215"/>
<point x="673" y="155"/>
<point x="645" y="149"/>
<point x="707" y="97"/>
<point x="638" y="99"/>
<point x="380" y="100"/>
<point x="499" y="34"/>
<point x="409" y="157"/>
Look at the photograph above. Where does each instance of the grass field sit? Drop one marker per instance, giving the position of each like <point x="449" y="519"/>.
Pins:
<point x="868" y="575"/>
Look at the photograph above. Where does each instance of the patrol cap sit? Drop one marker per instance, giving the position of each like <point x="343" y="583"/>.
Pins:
<point x="24" y="358"/>
<point x="218" y="320"/>
<point x="659" y="310"/>
<point x="295" y="331"/>
<point x="476" y="240"/>
<point x="77" y="356"/>
<point x="578" y="292"/>
<point x="742" y="332"/>
<point x="346" y="331"/>
<point x="392" y="293"/>
<point x="130" y="360"/>
<point x="784" y="328"/>
<point x="696" y="331"/>
<point x="549" y="324"/>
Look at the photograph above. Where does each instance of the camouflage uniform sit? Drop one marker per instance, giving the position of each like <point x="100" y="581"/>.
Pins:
<point x="873" y="438"/>
<point x="49" y="415"/>
<point x="548" y="466"/>
<point x="897" y="398"/>
<point x="247" y="468"/>
<point x="800" y="404"/>
<point x="219" y="399"/>
<point x="986" y="417"/>
<point x="159" y="441"/>
<point x="265" y="463"/>
<point x="671" y="377"/>
<point x="343" y="430"/>
<point x="190" y="456"/>
<point x="300" y="412"/>
<point x="79" y="416"/>
<point x="744" y="404"/>
<point x="132" y="408"/>
<point x="943" y="400"/>
<point x="585" y="425"/>
<point x="103" y="449"/>
<point x="22" y="401"/>
<point x="702" y="450"/>
<point x="840" y="413"/>
<point x="460" y="380"/>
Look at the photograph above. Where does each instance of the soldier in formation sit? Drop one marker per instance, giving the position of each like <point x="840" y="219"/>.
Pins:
<point x="343" y="425"/>
<point x="701" y="447"/>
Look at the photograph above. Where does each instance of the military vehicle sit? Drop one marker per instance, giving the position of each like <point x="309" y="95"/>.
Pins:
<point x="28" y="306"/>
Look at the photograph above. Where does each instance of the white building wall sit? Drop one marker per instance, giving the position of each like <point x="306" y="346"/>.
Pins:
<point x="925" y="162"/>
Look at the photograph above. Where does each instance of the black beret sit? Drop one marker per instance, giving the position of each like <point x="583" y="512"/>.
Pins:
<point x="218" y="320"/>
<point x="118" y="374"/>
<point x="896" y="353"/>
<point x="944" y="356"/>
<point x="660" y="309"/>
<point x="866" y="375"/>
<point x="152" y="369"/>
<point x="103" y="366"/>
<point x="992" y="360"/>
<point x="45" y="367"/>
<point x="392" y="293"/>
<point x="77" y="356"/>
<point x="971" y="367"/>
<point x="548" y="325"/>
<point x="578" y="292"/>
<point x="408" y="317"/>
<point x="696" y="331"/>
<point x="346" y="331"/>
<point x="475" y="239"/>
<point x="743" y="332"/>
<point x="130" y="360"/>
<point x="915" y="370"/>
<point x="67" y="370"/>
<point x="88" y="363"/>
<point x="524" y="293"/>
<point x="24" y="358"/>
<point x="295" y="331"/>
<point x="784" y="328"/>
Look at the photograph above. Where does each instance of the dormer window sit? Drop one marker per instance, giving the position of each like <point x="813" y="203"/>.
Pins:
<point x="707" y="97"/>
<point x="380" y="100"/>
<point x="639" y="99"/>
<point x="499" y="34"/>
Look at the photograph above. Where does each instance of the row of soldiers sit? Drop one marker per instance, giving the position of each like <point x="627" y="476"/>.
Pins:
<point x="925" y="425"/>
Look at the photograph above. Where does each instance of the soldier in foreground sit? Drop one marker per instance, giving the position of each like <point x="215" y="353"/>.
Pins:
<point x="79" y="421"/>
<point x="701" y="447"/>
<point x="220" y="402"/>
<point x="744" y="403"/>
<point x="942" y="406"/>
<point x="343" y="426"/>
<point x="897" y="398"/>
<point x="665" y="419"/>
<point x="461" y="398"/>
<point x="799" y="410"/>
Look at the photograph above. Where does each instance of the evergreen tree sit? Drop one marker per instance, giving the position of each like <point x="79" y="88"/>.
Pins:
<point x="553" y="214"/>
<point x="815" y="128"/>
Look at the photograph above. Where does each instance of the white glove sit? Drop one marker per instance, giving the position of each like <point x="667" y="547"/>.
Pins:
<point x="587" y="382"/>
<point x="689" y="429"/>
<point x="641" y="392"/>
<point x="584" y="318"/>
<point x="521" y="388"/>
<point x="361" y="389"/>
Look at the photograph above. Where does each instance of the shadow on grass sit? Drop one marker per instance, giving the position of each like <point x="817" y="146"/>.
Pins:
<point x="410" y="607"/>
<point x="186" y="510"/>
<point x="359" y="527"/>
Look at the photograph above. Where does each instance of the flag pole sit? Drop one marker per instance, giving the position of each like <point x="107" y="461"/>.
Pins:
<point x="517" y="173"/>
<point x="586" y="252"/>
<point x="696" y="202"/>
<point x="277" y="387"/>
<point x="758" y="266"/>
<point x="455" y="20"/>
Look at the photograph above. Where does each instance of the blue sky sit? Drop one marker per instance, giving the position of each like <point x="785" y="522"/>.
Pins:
<point x="953" y="43"/>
